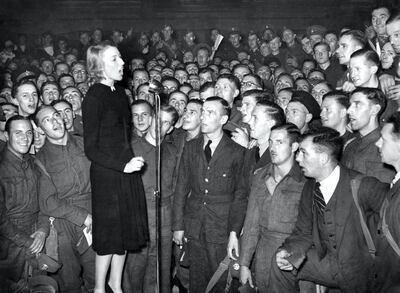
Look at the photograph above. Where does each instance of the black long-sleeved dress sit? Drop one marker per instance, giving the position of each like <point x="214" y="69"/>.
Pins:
<point x="118" y="200"/>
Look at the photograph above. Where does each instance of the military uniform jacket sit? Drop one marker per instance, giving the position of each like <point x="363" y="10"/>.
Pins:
<point x="210" y="197"/>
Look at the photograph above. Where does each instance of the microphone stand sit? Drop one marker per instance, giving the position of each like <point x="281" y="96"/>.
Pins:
<point x="157" y="193"/>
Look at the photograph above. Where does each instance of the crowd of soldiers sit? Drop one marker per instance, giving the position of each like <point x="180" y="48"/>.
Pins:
<point x="280" y="153"/>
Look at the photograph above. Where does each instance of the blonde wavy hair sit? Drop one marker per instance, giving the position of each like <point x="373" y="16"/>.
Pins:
<point x="94" y="62"/>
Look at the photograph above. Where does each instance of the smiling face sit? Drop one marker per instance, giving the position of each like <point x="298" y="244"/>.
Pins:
<point x="387" y="55"/>
<point x="113" y="64"/>
<point x="20" y="137"/>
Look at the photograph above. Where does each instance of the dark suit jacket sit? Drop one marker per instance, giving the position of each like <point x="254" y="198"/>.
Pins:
<point x="210" y="196"/>
<point x="387" y="261"/>
<point x="353" y="258"/>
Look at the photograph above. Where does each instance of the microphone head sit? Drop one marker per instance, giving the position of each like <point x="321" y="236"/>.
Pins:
<point x="155" y="86"/>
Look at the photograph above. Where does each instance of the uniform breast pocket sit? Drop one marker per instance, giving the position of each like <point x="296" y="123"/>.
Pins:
<point x="289" y="206"/>
<point x="16" y="189"/>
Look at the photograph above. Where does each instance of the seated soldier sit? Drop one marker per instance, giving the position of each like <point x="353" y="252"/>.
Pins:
<point x="74" y="97"/>
<point x="23" y="228"/>
<point x="65" y="194"/>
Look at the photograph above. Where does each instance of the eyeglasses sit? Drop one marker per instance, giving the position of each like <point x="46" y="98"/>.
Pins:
<point x="247" y="84"/>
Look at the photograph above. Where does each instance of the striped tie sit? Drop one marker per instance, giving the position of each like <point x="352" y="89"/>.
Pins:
<point x="319" y="198"/>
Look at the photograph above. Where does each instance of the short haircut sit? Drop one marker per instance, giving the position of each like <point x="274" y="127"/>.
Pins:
<point x="18" y="85"/>
<point x="224" y="104"/>
<point x="143" y="102"/>
<point x="55" y="102"/>
<point x="326" y="140"/>
<point x="326" y="45"/>
<point x="274" y="111"/>
<point x="293" y="132"/>
<point x="60" y="63"/>
<point x="206" y="70"/>
<point x="178" y="92"/>
<point x="283" y="74"/>
<point x="340" y="97"/>
<point x="317" y="70"/>
<point x="7" y="127"/>
<point x="65" y="75"/>
<point x="172" y="111"/>
<point x="370" y="55"/>
<point x="48" y="83"/>
<point x="258" y="79"/>
<point x="196" y="101"/>
<point x="40" y="108"/>
<point x="394" y="119"/>
<point x="139" y="70"/>
<point x="375" y="95"/>
<point x="72" y="87"/>
<point x="232" y="79"/>
<point x="310" y="61"/>
<point x="259" y="95"/>
<point x="170" y="78"/>
<point x="357" y="36"/>
<point x="207" y="85"/>
<point x="140" y="86"/>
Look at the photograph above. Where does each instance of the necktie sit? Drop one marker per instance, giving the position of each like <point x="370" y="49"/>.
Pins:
<point x="257" y="153"/>
<point x="207" y="151"/>
<point x="319" y="198"/>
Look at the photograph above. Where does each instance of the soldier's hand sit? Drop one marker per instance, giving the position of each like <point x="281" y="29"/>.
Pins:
<point x="39" y="238"/>
<point x="282" y="262"/>
<point x="394" y="92"/>
<point x="386" y="81"/>
<point x="348" y="86"/>
<point x="233" y="246"/>
<point x="245" y="276"/>
<point x="178" y="237"/>
<point x="88" y="223"/>
<point x="241" y="136"/>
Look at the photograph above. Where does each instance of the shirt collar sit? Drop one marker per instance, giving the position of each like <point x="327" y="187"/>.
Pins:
<point x="332" y="179"/>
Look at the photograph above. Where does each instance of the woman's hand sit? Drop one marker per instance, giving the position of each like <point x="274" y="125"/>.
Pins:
<point x="135" y="164"/>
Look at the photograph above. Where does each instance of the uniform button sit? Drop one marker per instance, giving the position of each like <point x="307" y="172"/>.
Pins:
<point x="204" y="203"/>
<point x="206" y="180"/>
<point x="208" y="168"/>
<point x="206" y="191"/>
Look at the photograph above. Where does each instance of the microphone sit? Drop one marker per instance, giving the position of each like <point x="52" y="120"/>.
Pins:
<point x="155" y="86"/>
